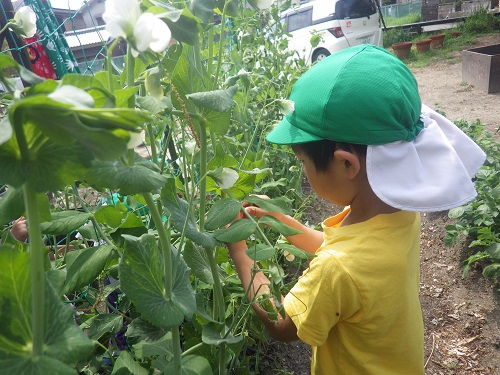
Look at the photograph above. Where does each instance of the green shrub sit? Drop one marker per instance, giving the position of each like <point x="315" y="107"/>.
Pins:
<point x="479" y="220"/>
<point x="396" y="35"/>
<point x="480" y="21"/>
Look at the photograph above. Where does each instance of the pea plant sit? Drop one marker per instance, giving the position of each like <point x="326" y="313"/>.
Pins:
<point x="146" y="286"/>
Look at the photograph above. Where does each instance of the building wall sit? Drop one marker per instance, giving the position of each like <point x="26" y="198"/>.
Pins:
<point x="461" y="9"/>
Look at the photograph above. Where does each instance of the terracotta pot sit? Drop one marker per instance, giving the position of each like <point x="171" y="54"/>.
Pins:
<point x="423" y="45"/>
<point x="402" y="50"/>
<point x="437" y="40"/>
<point x="454" y="34"/>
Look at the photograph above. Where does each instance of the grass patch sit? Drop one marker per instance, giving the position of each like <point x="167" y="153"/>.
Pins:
<point x="398" y="21"/>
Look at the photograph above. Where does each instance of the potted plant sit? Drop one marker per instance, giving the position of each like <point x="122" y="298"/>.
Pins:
<point x="402" y="49"/>
<point x="423" y="45"/>
<point x="437" y="40"/>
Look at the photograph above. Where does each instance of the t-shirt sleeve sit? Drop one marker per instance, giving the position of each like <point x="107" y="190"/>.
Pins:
<point x="323" y="296"/>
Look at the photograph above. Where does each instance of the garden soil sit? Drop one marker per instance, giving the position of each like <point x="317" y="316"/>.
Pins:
<point x="461" y="315"/>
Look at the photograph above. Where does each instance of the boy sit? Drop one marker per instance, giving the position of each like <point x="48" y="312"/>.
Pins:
<point x="366" y="143"/>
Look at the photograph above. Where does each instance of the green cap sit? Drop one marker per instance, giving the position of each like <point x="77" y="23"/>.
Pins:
<point x="362" y="95"/>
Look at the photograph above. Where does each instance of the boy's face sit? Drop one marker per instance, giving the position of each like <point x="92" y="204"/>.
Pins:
<point x="332" y="184"/>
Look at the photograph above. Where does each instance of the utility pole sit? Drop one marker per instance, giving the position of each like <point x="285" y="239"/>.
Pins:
<point x="19" y="54"/>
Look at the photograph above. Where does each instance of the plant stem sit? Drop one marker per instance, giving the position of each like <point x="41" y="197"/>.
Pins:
<point x="221" y="45"/>
<point x="167" y="257"/>
<point x="154" y="154"/>
<point x="219" y="310"/>
<point x="108" y="351"/>
<point x="164" y="242"/>
<point x="37" y="270"/>
<point x="92" y="218"/>
<point x="130" y="74"/>
<point x="109" y="65"/>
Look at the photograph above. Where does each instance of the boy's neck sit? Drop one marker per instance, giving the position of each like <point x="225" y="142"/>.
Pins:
<point x="366" y="206"/>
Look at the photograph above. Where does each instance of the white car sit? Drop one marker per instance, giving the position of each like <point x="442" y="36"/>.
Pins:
<point x="341" y="24"/>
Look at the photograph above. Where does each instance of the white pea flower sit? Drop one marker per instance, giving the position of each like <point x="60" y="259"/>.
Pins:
<point x="24" y="22"/>
<point x="264" y="4"/>
<point x="286" y="106"/>
<point x="142" y="30"/>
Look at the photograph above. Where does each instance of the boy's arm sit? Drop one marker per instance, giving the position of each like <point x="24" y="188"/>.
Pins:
<point x="309" y="240"/>
<point x="283" y="329"/>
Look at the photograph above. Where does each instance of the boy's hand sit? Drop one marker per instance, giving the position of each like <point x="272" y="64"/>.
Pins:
<point x="19" y="229"/>
<point x="254" y="210"/>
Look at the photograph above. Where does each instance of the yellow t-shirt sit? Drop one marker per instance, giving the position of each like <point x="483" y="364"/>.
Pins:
<point x="357" y="304"/>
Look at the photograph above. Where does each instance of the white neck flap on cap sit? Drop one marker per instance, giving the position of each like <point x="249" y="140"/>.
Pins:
<point x="431" y="173"/>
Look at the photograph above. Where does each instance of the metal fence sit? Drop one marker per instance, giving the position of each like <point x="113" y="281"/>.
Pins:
<point x="401" y="10"/>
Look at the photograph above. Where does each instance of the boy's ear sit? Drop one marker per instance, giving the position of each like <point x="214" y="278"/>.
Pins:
<point x="351" y="162"/>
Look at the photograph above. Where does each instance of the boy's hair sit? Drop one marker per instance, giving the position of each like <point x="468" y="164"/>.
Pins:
<point x="321" y="152"/>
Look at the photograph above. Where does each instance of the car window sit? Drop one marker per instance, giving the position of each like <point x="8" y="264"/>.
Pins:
<point x="354" y="9"/>
<point x="299" y="20"/>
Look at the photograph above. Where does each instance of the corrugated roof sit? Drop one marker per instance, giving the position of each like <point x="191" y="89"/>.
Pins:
<point x="86" y="37"/>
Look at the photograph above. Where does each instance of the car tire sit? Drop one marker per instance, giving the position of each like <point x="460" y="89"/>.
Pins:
<point x="320" y="54"/>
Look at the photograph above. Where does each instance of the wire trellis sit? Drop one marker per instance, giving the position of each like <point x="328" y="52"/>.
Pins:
<point x="54" y="40"/>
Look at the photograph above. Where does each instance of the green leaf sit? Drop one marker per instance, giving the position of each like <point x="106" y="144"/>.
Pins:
<point x="141" y="329"/>
<point x="153" y="105"/>
<point x="494" y="250"/>
<point x="102" y="324"/>
<point x="142" y="277"/>
<point x="84" y="266"/>
<point x="125" y="365"/>
<point x="270" y="205"/>
<point x="46" y="170"/>
<point x="11" y="205"/>
<point x="218" y="122"/>
<point x="217" y="100"/>
<point x="492" y="271"/>
<point x="222" y="213"/>
<point x="203" y="9"/>
<point x="277" y="225"/>
<point x="261" y="252"/>
<point x="191" y="365"/>
<point x="34" y="366"/>
<point x="162" y="347"/>
<point x="64" y="222"/>
<point x="57" y="279"/>
<point x="239" y="230"/>
<point x="179" y="212"/>
<point x="196" y="259"/>
<point x="102" y="97"/>
<point x="212" y="336"/>
<point x="123" y="95"/>
<point x="456" y="212"/>
<point x="109" y="215"/>
<point x="64" y="342"/>
<point x="495" y="192"/>
<point x="128" y="179"/>
<point x="299" y="253"/>
<point x="187" y="29"/>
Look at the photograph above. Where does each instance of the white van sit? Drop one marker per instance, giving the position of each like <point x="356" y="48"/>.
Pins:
<point x="341" y="24"/>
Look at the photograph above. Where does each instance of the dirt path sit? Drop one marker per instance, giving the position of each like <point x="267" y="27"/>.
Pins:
<point x="461" y="316"/>
<point x="441" y="88"/>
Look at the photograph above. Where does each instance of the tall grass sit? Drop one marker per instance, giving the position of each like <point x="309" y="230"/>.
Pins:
<point x="398" y="21"/>
<point x="480" y="22"/>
